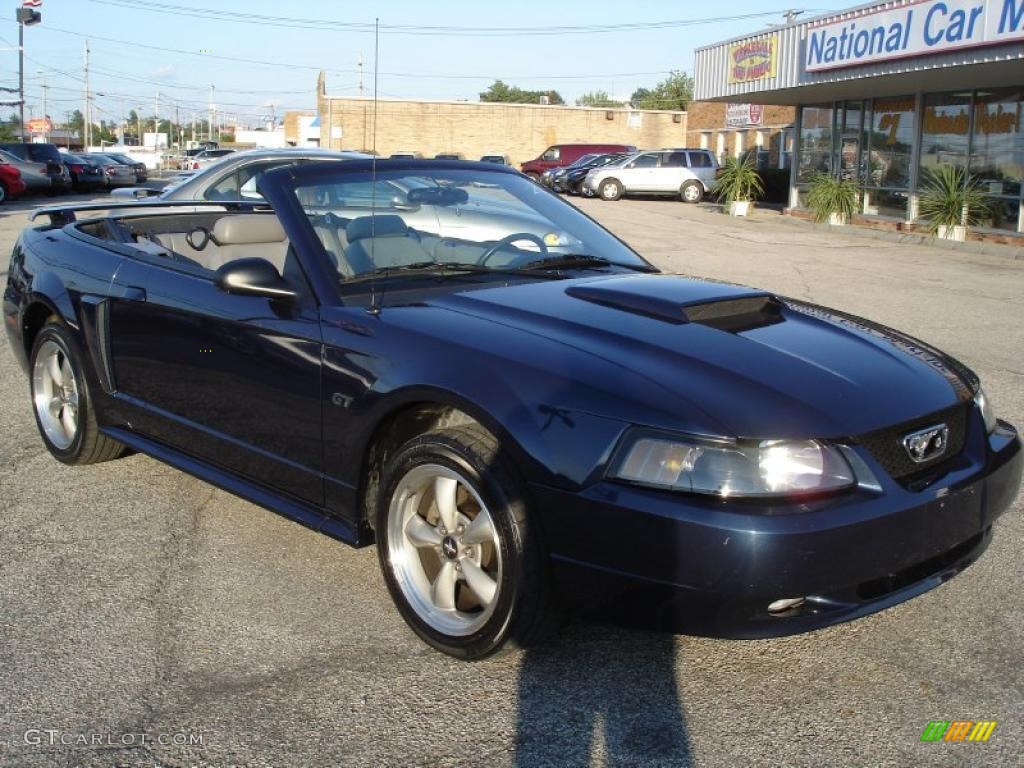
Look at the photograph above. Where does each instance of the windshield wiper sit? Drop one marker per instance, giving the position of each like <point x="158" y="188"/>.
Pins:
<point x="580" y="261"/>
<point x="567" y="261"/>
<point x="433" y="268"/>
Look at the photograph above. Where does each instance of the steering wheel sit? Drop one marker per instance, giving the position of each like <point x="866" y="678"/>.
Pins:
<point x="202" y="232"/>
<point x="507" y="241"/>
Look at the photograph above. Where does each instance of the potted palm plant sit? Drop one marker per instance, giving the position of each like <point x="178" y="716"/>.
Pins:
<point x="832" y="199"/>
<point x="951" y="201"/>
<point x="738" y="183"/>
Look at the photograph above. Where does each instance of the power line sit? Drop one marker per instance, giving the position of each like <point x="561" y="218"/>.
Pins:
<point x="415" y="29"/>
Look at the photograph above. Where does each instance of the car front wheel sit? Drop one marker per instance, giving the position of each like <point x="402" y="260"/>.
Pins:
<point x="61" y="401"/>
<point x="458" y="554"/>
<point x="611" y="189"/>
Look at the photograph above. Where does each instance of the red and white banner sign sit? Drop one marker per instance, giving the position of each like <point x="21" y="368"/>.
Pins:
<point x="32" y="4"/>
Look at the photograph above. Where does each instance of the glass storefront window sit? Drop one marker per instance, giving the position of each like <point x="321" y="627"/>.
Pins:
<point x="815" y="141"/>
<point x="891" y="143"/>
<point x="945" y="130"/>
<point x="997" y="147"/>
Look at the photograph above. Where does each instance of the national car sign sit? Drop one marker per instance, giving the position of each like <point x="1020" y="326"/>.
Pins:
<point x="913" y="29"/>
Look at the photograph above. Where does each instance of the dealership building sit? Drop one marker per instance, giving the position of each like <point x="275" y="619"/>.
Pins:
<point x="885" y="92"/>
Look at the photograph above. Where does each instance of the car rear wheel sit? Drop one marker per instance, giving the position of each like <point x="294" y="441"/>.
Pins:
<point x="610" y="189"/>
<point x="61" y="401"/>
<point x="692" y="192"/>
<point x="459" y="556"/>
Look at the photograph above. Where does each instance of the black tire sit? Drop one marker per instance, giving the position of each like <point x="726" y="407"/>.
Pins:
<point x="521" y="612"/>
<point x="88" y="446"/>
<point x="691" y="192"/>
<point x="610" y="189"/>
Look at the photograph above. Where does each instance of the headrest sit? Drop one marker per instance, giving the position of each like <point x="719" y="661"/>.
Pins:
<point x="246" y="228"/>
<point x="385" y="225"/>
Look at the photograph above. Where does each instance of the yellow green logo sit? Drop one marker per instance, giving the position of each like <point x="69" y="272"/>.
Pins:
<point x="958" y="730"/>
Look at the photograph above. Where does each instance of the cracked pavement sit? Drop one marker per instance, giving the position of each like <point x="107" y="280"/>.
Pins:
<point x="135" y="599"/>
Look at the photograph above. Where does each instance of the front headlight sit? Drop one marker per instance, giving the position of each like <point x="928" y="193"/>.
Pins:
<point x="732" y="468"/>
<point x="988" y="413"/>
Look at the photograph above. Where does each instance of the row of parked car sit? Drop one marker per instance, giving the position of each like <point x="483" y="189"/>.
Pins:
<point x="410" y="155"/>
<point x="31" y="167"/>
<point x="612" y="173"/>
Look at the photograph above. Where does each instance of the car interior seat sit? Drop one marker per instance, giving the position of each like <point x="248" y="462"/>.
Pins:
<point x="382" y="241"/>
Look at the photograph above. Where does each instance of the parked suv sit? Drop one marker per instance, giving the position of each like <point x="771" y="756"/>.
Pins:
<point x="688" y="173"/>
<point x="44" y="155"/>
<point x="561" y="155"/>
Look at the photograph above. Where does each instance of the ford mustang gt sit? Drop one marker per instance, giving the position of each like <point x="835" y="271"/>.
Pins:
<point x="519" y="419"/>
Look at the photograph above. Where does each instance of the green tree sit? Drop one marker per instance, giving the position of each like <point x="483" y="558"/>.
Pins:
<point x="674" y="92"/>
<point x="597" y="99"/>
<point x="76" y="122"/>
<point x="10" y="128"/>
<point x="511" y="94"/>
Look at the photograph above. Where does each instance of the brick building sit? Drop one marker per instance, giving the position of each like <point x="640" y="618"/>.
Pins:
<point x="521" y="131"/>
<point x="732" y="129"/>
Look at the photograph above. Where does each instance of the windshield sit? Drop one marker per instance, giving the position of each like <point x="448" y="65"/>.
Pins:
<point x="477" y="219"/>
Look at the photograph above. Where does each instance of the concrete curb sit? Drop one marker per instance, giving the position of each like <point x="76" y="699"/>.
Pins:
<point x="911" y="238"/>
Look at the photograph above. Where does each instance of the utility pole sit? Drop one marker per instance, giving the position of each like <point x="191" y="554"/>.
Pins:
<point x="177" y="122"/>
<point x="156" y="122"/>
<point x="209" y="127"/>
<point x="359" y="65"/>
<point x="138" y="125"/>
<point x="87" y="122"/>
<point x="46" y="130"/>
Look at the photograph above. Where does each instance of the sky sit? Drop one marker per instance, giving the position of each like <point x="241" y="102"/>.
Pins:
<point x="178" y="48"/>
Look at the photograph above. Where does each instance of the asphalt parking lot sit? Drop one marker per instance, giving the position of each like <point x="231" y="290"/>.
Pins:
<point x="136" y="600"/>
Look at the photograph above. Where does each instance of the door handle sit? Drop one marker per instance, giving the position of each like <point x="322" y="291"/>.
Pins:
<point x="128" y="292"/>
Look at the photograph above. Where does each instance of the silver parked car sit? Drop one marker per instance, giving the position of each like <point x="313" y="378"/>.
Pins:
<point x="35" y="175"/>
<point x="686" y="173"/>
<point x="234" y="176"/>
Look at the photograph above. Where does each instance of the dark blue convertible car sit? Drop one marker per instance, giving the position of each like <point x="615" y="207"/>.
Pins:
<point x="447" y="360"/>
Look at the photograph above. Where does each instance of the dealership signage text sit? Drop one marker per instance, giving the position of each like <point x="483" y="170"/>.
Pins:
<point x="916" y="29"/>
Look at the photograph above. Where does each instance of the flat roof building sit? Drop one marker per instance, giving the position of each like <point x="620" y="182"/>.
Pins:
<point x="887" y="91"/>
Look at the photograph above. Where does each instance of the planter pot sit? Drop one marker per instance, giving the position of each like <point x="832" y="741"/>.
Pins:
<point x="837" y="219"/>
<point x="739" y="207"/>
<point x="957" y="233"/>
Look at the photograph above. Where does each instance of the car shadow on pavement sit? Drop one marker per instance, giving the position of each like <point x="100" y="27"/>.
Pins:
<point x="596" y="694"/>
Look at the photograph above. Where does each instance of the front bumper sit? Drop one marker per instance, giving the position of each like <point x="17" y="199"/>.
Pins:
<point x="709" y="567"/>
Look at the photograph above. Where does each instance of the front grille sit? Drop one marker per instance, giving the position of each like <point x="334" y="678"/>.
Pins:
<point x="886" y="445"/>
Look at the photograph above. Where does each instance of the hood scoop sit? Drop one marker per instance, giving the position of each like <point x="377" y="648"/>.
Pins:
<point x="679" y="300"/>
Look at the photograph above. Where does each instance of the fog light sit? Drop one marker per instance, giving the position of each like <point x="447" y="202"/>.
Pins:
<point x="786" y="603"/>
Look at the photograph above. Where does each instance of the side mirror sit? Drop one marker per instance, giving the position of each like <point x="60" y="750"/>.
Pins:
<point x="403" y="203"/>
<point x="136" y="193"/>
<point x="254" y="277"/>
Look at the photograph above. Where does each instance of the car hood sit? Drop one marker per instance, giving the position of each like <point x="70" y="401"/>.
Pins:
<point x="751" y="364"/>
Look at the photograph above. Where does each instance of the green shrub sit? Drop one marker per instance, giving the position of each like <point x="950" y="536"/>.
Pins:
<point x="738" y="180"/>
<point x="950" y="197"/>
<point x="827" y="195"/>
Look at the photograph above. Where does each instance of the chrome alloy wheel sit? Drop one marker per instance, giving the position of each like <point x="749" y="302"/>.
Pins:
<point x="55" y="394"/>
<point x="444" y="550"/>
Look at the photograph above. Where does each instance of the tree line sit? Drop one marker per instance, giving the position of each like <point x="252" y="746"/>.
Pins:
<point x="673" y="93"/>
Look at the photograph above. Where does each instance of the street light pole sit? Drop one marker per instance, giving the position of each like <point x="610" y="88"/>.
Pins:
<point x="21" y="75"/>
<point x="24" y="16"/>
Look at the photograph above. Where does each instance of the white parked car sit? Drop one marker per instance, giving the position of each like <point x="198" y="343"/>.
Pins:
<point x="686" y="173"/>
